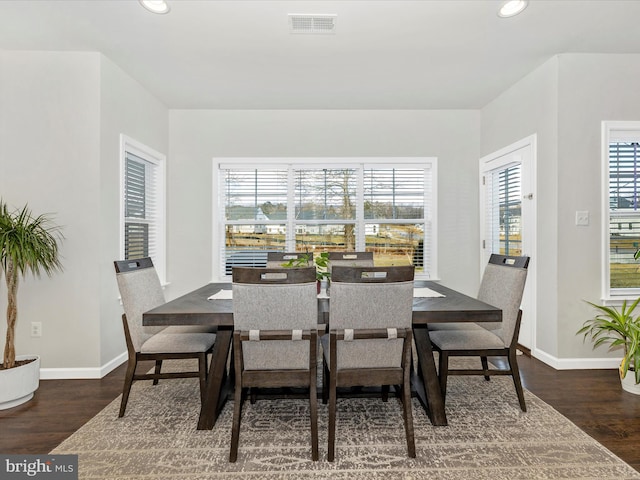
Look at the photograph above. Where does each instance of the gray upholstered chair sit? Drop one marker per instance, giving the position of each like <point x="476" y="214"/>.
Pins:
<point x="350" y="259"/>
<point x="502" y="286"/>
<point x="140" y="290"/>
<point x="275" y="341"/>
<point x="370" y="337"/>
<point x="277" y="259"/>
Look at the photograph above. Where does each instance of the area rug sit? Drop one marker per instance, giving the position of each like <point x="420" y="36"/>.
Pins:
<point x="488" y="437"/>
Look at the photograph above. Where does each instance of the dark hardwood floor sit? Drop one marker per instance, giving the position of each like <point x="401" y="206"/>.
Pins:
<point x="592" y="399"/>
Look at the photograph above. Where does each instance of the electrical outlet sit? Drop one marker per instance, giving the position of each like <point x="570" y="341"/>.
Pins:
<point x="582" y="218"/>
<point x="36" y="329"/>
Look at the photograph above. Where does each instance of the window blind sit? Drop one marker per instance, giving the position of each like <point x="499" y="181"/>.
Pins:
<point x="141" y="208"/>
<point x="332" y="207"/>
<point x="504" y="210"/>
<point x="624" y="214"/>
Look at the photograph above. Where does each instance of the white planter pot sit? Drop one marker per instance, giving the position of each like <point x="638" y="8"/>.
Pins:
<point x="17" y="385"/>
<point x="629" y="383"/>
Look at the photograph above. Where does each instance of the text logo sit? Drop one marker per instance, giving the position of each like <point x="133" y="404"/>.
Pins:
<point x="51" y="467"/>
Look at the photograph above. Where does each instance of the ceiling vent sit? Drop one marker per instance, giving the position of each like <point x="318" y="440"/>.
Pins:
<point x="312" y="24"/>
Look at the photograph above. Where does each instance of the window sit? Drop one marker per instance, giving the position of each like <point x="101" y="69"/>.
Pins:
<point x="503" y="215"/>
<point x="142" y="204"/>
<point x="621" y="153"/>
<point x="387" y="208"/>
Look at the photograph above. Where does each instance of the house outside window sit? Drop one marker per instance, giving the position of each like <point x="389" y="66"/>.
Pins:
<point x="386" y="206"/>
<point x="142" y="224"/>
<point x="621" y="162"/>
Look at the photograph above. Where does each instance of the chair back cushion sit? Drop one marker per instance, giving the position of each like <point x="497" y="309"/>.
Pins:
<point x="362" y="298"/>
<point x="140" y="290"/>
<point x="276" y="259"/>
<point x="502" y="286"/>
<point x="275" y="299"/>
<point x="350" y="259"/>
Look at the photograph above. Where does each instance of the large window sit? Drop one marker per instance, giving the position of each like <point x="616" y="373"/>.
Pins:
<point x="142" y="204"/>
<point x="387" y="208"/>
<point x="621" y="154"/>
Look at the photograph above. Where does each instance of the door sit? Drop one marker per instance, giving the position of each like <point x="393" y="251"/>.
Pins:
<point x="507" y="213"/>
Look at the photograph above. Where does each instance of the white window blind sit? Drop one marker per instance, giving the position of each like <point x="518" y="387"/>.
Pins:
<point x="143" y="204"/>
<point x="623" y="198"/>
<point x="504" y="211"/>
<point x="328" y="206"/>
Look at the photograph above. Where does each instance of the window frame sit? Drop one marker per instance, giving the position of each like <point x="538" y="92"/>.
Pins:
<point x="609" y="129"/>
<point x="360" y="163"/>
<point x="158" y="160"/>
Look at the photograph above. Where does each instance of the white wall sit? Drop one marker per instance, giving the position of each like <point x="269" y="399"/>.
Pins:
<point x="60" y="121"/>
<point x="529" y="107"/>
<point x="125" y="108"/>
<point x="198" y="136"/>
<point x="592" y="88"/>
<point x="564" y="102"/>
<point x="49" y="158"/>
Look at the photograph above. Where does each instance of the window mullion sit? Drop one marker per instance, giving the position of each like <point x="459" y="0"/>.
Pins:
<point x="360" y="229"/>
<point x="290" y="238"/>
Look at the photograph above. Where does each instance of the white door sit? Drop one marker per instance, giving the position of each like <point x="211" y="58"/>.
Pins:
<point x="507" y="213"/>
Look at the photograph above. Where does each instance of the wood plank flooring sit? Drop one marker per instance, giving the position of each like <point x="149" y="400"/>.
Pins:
<point x="592" y="399"/>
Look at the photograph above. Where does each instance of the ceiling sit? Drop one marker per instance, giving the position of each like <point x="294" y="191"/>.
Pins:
<point x="395" y="54"/>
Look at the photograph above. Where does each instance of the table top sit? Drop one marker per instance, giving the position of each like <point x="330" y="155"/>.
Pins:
<point x="194" y="308"/>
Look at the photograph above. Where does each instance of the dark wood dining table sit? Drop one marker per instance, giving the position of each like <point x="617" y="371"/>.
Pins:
<point x="194" y="308"/>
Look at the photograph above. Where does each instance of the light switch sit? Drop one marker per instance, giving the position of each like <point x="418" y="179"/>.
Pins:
<point x="582" y="218"/>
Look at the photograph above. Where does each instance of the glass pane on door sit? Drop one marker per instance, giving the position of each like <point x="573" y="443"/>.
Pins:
<point x="504" y="210"/>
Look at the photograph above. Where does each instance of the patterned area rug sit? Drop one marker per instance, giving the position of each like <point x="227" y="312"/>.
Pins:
<point x="488" y="437"/>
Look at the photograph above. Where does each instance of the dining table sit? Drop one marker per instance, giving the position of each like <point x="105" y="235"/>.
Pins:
<point x="212" y="305"/>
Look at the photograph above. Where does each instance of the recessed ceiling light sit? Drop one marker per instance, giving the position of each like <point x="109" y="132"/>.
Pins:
<point x="512" y="7"/>
<point x="156" y="6"/>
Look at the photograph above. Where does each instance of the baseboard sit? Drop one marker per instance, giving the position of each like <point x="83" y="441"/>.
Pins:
<point x="82" y="373"/>
<point x="576" y="363"/>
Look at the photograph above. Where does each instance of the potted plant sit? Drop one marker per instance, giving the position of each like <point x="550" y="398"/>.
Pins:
<point x="618" y="328"/>
<point x="28" y="243"/>
<point x="322" y="267"/>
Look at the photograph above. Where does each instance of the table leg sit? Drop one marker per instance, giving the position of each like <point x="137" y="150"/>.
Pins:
<point x="429" y="390"/>
<point x="215" y="395"/>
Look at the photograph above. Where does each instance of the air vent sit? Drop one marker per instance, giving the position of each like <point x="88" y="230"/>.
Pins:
<point x="312" y="24"/>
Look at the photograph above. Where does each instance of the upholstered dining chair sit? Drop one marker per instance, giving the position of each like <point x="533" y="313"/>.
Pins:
<point x="275" y="313"/>
<point x="277" y="259"/>
<point x="502" y="286"/>
<point x="370" y="337"/>
<point x="140" y="290"/>
<point x="351" y="259"/>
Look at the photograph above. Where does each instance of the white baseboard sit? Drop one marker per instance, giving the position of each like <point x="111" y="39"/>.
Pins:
<point x="576" y="363"/>
<point x="554" y="362"/>
<point x="82" y="373"/>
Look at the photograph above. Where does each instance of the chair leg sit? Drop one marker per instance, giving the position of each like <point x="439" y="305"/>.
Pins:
<point x="128" y="381"/>
<point x="332" y="419"/>
<point x="235" y="428"/>
<point x="485" y="367"/>
<point x="408" y="418"/>
<point x="313" y="410"/>
<point x="443" y="372"/>
<point x="325" y="382"/>
<point x="385" y="393"/>
<point x="157" y="370"/>
<point x="515" y="373"/>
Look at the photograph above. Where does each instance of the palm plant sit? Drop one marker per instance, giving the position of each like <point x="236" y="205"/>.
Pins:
<point x="617" y="328"/>
<point x="28" y="243"/>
